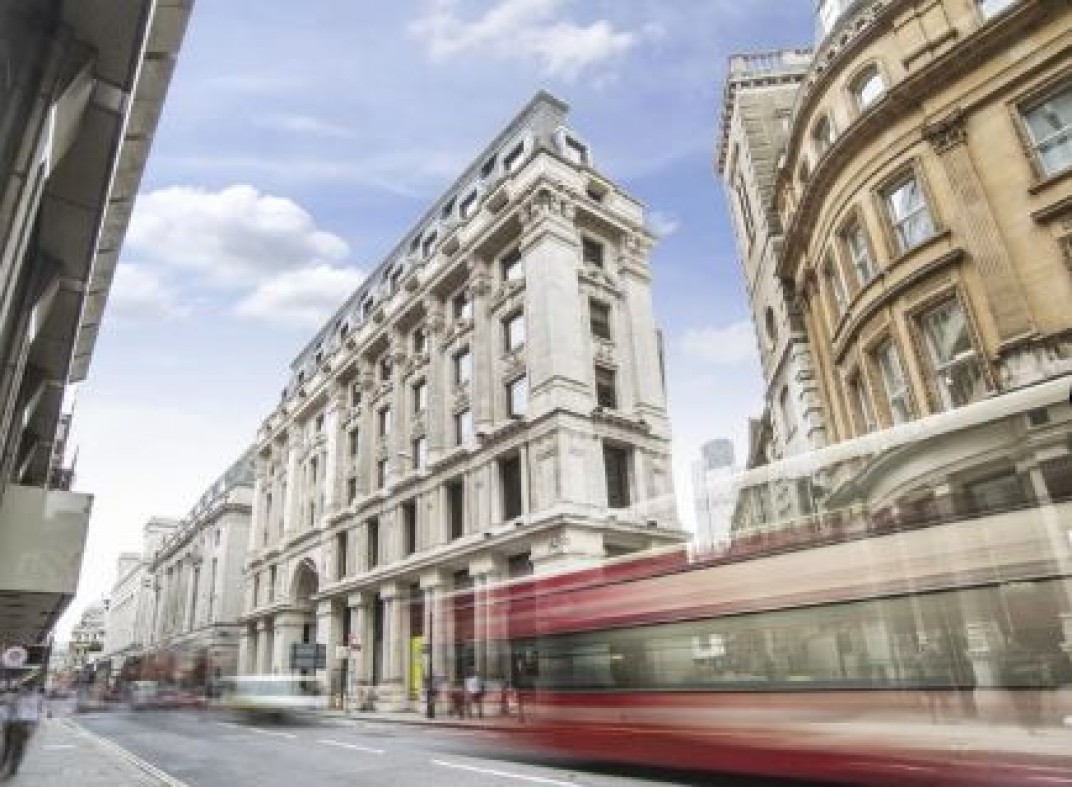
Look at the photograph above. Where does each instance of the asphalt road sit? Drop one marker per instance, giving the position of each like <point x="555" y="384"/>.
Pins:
<point x="206" y="749"/>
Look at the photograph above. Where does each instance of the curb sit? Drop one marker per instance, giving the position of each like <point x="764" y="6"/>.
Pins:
<point x="420" y="721"/>
<point x="113" y="748"/>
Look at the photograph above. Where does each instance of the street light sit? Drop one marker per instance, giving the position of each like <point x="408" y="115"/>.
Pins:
<point x="429" y="693"/>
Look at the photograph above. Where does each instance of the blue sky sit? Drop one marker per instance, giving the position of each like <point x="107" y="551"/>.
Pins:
<point x="300" y="141"/>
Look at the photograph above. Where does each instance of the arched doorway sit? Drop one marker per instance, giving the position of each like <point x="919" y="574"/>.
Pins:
<point x="303" y="587"/>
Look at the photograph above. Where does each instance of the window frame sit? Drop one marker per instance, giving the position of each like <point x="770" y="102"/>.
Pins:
<point x="419" y="396"/>
<point x="599" y="258"/>
<point x="1024" y="107"/>
<point x="903" y="394"/>
<point x="602" y="305"/>
<point x="854" y="223"/>
<point x="912" y="171"/>
<point x="938" y="395"/>
<point x="511" y="341"/>
<point x="609" y="374"/>
<point x="511" y="267"/>
<point x="464" y="418"/>
<point x="855" y="86"/>
<point x="511" y="409"/>
<point x="457" y="366"/>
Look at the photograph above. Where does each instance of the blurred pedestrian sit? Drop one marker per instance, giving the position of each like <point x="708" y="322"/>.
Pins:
<point x="25" y="714"/>
<point x="474" y="694"/>
<point x="6" y="698"/>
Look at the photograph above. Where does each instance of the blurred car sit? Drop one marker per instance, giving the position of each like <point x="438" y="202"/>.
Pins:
<point x="274" y="696"/>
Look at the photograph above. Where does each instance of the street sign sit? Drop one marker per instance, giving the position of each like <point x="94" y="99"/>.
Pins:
<point x="308" y="655"/>
<point x="15" y="657"/>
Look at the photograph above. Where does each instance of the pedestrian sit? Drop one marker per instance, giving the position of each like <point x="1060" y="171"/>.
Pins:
<point x="25" y="714"/>
<point x="5" y="717"/>
<point x="474" y="694"/>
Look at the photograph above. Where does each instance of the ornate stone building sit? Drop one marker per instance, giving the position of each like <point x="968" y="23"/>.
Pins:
<point x="195" y="576"/>
<point x="924" y="191"/>
<point x="488" y="404"/>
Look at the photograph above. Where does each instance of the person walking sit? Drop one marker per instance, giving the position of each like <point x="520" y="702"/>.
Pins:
<point x="26" y="712"/>
<point x="5" y="716"/>
<point x="474" y="694"/>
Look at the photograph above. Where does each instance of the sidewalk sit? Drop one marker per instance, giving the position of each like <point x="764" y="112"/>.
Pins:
<point x="62" y="754"/>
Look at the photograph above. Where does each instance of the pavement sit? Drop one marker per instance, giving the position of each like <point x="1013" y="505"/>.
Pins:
<point x="63" y="754"/>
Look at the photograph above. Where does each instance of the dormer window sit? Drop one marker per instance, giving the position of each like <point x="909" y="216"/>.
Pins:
<point x="415" y="243"/>
<point x="575" y="151"/>
<point x="468" y="205"/>
<point x="366" y="308"/>
<point x="513" y="159"/>
<point x="301" y="377"/>
<point x="319" y="357"/>
<point x="344" y="330"/>
<point x="396" y="280"/>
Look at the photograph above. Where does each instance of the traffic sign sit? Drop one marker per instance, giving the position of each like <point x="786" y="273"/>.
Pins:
<point x="15" y="657"/>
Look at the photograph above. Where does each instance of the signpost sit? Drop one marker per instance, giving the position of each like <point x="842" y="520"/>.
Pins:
<point x="15" y="657"/>
<point x="308" y="656"/>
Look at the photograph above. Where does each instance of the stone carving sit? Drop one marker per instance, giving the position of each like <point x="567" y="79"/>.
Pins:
<point x="547" y="203"/>
<point x="947" y="132"/>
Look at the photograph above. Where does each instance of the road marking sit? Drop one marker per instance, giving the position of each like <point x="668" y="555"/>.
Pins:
<point x="490" y="772"/>
<point x="230" y="724"/>
<point x="107" y="743"/>
<point x="259" y="731"/>
<point x="52" y="746"/>
<point x="352" y="746"/>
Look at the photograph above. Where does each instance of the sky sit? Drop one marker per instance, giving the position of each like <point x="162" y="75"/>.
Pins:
<point x="301" y="141"/>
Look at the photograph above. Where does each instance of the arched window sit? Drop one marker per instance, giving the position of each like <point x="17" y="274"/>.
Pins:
<point x="823" y="135"/>
<point x="868" y="87"/>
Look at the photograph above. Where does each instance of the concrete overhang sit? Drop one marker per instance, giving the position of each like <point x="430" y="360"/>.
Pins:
<point x="42" y="539"/>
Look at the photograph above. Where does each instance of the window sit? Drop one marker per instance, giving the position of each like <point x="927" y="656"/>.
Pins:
<point x="386" y="368"/>
<point x="745" y="209"/>
<point x="893" y="381"/>
<point x="355" y="394"/>
<point x="463" y="367"/>
<point x="385" y="421"/>
<point x="510" y="486"/>
<point x="784" y="410"/>
<point x="862" y="412"/>
<point x="835" y="285"/>
<point x="366" y="307"/>
<point x="858" y="252"/>
<point x="1050" y="126"/>
<point x="616" y="469"/>
<point x="606" y="394"/>
<point x="599" y="319"/>
<point x="488" y="168"/>
<point x="463" y="427"/>
<point x="256" y="589"/>
<point x="770" y="326"/>
<point x="271" y="584"/>
<point x="420" y="341"/>
<point x="420" y="396"/>
<point x="420" y="453"/>
<point x="409" y="528"/>
<point x="428" y="245"/>
<point x="355" y="442"/>
<point x="462" y="306"/>
<point x="396" y="280"/>
<point x="514" y="158"/>
<point x="468" y="205"/>
<point x="909" y="214"/>
<point x="510" y="266"/>
<point x="868" y="87"/>
<point x="381" y="473"/>
<point x="823" y="135"/>
<point x="351" y="490"/>
<point x="372" y="542"/>
<point x="993" y="7"/>
<point x="514" y="332"/>
<point x="456" y="508"/>
<point x="592" y="252"/>
<point x="517" y="397"/>
<point x="958" y="375"/>
<point x="341" y="546"/>
<point x="448" y="209"/>
<point x="575" y="151"/>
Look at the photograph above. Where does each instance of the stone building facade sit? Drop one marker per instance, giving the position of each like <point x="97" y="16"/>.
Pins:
<point x="194" y="576"/>
<point x="924" y="191"/>
<point x="488" y="404"/>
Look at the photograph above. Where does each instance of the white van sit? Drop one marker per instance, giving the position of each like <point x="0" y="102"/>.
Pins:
<point x="272" y="695"/>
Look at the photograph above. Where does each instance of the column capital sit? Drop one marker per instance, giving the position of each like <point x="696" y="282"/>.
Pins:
<point x="358" y="600"/>
<point x="947" y="132"/>
<point x="325" y="608"/>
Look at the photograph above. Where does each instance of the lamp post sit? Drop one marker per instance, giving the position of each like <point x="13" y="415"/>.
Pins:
<point x="429" y="680"/>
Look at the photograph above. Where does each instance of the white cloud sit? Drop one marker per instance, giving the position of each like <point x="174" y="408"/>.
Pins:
<point x="237" y="236"/>
<point x="663" y="224"/>
<point x="308" y="125"/>
<point x="524" y="30"/>
<point x="139" y="292"/>
<point x="729" y="345"/>
<point x="304" y="297"/>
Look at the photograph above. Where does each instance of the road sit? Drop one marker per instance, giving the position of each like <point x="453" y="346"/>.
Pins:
<point x="205" y="749"/>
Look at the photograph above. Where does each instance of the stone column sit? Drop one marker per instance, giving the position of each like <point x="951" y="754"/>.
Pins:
<point x="559" y="368"/>
<point x="436" y="633"/>
<point x="979" y="229"/>
<point x="439" y="383"/>
<point x="327" y="634"/>
<point x="287" y="631"/>
<point x="360" y="656"/>
<point x="334" y="465"/>
<point x="366" y="458"/>
<point x="391" y="694"/>
<point x="292" y="511"/>
<point x="246" y="649"/>
<point x="397" y="445"/>
<point x="258" y="515"/>
<point x="485" y="348"/>
<point x="264" y="648"/>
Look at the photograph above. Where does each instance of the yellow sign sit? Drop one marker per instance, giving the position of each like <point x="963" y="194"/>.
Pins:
<point x="416" y="666"/>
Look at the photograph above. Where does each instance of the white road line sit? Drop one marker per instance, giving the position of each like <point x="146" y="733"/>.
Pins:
<point x="259" y="731"/>
<point x="504" y="774"/>
<point x="230" y="724"/>
<point x="107" y="743"/>
<point x="351" y="746"/>
<point x="53" y="746"/>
